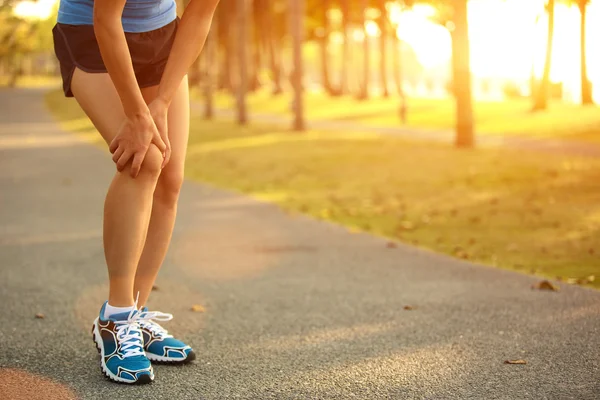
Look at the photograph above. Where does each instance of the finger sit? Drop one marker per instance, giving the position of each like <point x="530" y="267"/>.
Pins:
<point x="117" y="154"/>
<point x="123" y="160"/>
<point x="167" y="154"/>
<point x="159" y="143"/>
<point x="136" y="165"/>
<point x="114" y="145"/>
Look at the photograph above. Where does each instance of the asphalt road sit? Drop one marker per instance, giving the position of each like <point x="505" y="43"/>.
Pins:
<point x="294" y="308"/>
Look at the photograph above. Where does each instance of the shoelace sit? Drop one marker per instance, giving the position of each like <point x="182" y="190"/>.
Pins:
<point x="130" y="337"/>
<point x="147" y="322"/>
<point x="129" y="334"/>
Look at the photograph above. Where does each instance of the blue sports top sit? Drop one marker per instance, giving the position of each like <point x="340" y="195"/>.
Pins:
<point x="138" y="15"/>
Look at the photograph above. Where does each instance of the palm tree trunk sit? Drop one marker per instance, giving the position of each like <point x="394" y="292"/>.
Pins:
<point x="383" y="48"/>
<point x="541" y="98"/>
<point x="364" y="92"/>
<point x="345" y="49"/>
<point x="211" y="62"/>
<point x="586" y="90"/>
<point x="297" y="29"/>
<point x="242" y="22"/>
<point x="325" y="81"/>
<point x="462" y="77"/>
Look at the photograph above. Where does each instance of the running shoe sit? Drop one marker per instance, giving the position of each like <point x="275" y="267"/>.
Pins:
<point x="121" y="345"/>
<point x="158" y="344"/>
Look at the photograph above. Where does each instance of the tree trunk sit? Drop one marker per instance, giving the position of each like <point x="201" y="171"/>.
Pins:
<point x="325" y="81"/>
<point x="541" y="98"/>
<point x="254" y="46"/>
<point x="226" y="70"/>
<point x="211" y="62"/>
<point x="383" y="48"/>
<point x="297" y="28"/>
<point x="586" y="89"/>
<point x="242" y="22"/>
<point x="345" y="28"/>
<point x="273" y="48"/>
<point x="364" y="92"/>
<point x="462" y="76"/>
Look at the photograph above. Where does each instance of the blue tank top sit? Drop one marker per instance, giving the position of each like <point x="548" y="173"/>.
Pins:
<point x="138" y="15"/>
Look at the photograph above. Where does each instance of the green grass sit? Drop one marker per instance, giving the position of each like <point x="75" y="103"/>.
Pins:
<point x="514" y="117"/>
<point x="531" y="212"/>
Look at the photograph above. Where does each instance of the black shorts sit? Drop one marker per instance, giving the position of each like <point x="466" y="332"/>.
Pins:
<point x="76" y="46"/>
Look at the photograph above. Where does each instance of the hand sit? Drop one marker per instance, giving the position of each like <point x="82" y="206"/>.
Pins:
<point x="159" y="110"/>
<point x="133" y="140"/>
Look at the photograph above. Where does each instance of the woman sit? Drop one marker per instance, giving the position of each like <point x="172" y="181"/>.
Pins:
<point x="125" y="62"/>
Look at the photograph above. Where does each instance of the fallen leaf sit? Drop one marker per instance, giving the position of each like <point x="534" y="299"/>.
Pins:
<point x="472" y="241"/>
<point x="40" y="316"/>
<point x="512" y="247"/>
<point x="515" y="362"/>
<point x="409" y="308"/>
<point x="407" y="226"/>
<point x="439" y="240"/>
<point x="391" y="245"/>
<point x="571" y="281"/>
<point x="591" y="252"/>
<point x="586" y="280"/>
<point x="154" y="288"/>
<point x="198" y="308"/>
<point x="475" y="220"/>
<point x="493" y="201"/>
<point x="545" y="285"/>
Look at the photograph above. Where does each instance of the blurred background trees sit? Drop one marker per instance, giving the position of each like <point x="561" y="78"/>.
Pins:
<point x="364" y="49"/>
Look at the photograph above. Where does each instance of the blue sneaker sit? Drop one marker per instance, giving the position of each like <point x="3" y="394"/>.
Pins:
<point x="158" y="344"/>
<point x="120" y="343"/>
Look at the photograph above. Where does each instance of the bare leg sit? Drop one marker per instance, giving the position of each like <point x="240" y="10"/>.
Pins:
<point x="128" y="201"/>
<point x="166" y="195"/>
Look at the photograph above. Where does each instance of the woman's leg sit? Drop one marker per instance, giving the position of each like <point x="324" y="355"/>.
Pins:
<point x="164" y="207"/>
<point x="128" y="201"/>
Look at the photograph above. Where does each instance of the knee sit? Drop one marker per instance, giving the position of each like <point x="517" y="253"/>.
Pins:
<point x="169" y="186"/>
<point x="151" y="166"/>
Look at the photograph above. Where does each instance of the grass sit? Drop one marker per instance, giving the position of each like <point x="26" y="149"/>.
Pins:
<point x="531" y="212"/>
<point x="514" y="117"/>
<point x="32" y="81"/>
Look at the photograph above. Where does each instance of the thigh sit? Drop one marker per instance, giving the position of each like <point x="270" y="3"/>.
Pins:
<point x="98" y="97"/>
<point x="178" y="120"/>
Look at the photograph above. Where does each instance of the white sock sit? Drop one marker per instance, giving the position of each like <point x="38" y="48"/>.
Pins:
<point x="112" y="310"/>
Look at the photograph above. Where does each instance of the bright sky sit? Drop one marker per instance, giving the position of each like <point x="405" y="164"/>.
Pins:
<point x="505" y="39"/>
<point x="41" y="9"/>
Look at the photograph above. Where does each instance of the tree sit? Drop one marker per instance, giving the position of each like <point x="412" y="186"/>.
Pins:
<point x="324" y="42"/>
<point x="297" y="30"/>
<point x="461" y="60"/>
<point x="383" y="37"/>
<point x="586" y="87"/>
<point x="364" y="90"/>
<point x="242" y="44"/>
<point x="211" y="53"/>
<point x="345" y="8"/>
<point x="541" y="97"/>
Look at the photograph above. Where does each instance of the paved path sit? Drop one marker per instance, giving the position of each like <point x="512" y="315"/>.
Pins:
<point x="561" y="146"/>
<point x="295" y="308"/>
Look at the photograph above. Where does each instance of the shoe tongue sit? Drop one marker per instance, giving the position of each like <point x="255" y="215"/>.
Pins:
<point x="122" y="316"/>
